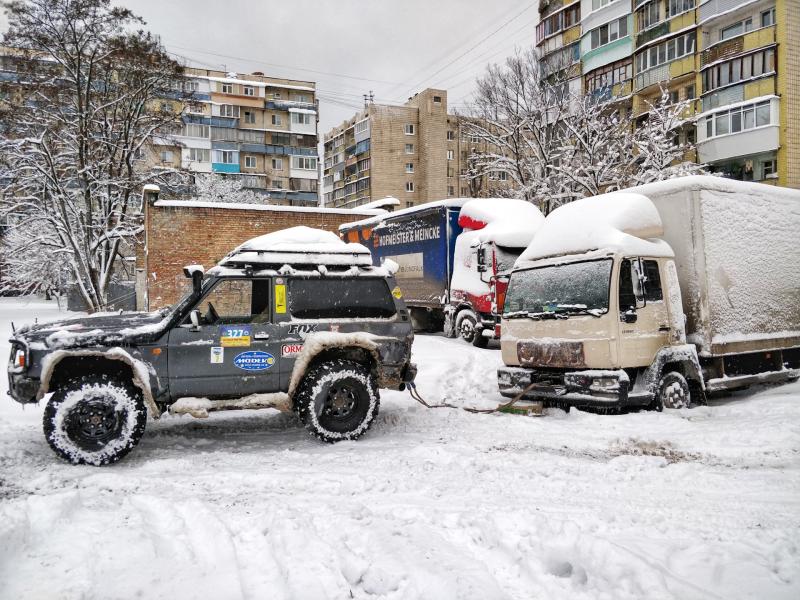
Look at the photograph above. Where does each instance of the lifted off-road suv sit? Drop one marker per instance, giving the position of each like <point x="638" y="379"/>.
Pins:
<point x="295" y="320"/>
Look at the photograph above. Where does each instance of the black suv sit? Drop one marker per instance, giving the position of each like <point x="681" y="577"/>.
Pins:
<point x="317" y="333"/>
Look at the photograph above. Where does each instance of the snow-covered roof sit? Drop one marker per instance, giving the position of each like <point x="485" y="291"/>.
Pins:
<point x="449" y="202"/>
<point x="624" y="222"/>
<point x="716" y="184"/>
<point x="264" y="207"/>
<point x="305" y="111"/>
<point x="298" y="245"/>
<point x="504" y="221"/>
<point x="383" y="202"/>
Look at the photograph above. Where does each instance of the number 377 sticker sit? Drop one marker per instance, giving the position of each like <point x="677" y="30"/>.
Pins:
<point x="233" y="336"/>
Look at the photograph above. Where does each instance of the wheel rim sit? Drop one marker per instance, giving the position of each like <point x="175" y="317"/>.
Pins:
<point x="92" y="423"/>
<point x="467" y="329"/>
<point x="340" y="402"/>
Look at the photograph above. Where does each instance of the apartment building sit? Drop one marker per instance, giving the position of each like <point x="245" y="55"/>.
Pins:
<point x="736" y="60"/>
<point x="258" y="128"/>
<point x="558" y="40"/>
<point x="414" y="152"/>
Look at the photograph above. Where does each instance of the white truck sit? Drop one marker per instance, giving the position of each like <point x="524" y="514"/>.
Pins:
<point x="656" y="295"/>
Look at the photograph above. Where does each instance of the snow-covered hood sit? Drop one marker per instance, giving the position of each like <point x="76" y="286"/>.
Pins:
<point x="95" y="330"/>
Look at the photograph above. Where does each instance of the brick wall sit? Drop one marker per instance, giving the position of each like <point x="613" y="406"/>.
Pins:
<point x="182" y="233"/>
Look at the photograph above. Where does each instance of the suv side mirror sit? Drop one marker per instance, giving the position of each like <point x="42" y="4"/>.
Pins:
<point x="629" y="316"/>
<point x="194" y="317"/>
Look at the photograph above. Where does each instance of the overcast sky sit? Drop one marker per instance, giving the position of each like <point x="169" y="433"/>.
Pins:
<point x="348" y="47"/>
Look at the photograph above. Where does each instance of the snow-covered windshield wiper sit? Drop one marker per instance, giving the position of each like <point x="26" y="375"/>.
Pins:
<point x="578" y="309"/>
<point x="537" y="316"/>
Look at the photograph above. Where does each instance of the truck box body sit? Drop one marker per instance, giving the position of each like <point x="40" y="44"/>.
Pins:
<point x="737" y="252"/>
<point x="421" y="240"/>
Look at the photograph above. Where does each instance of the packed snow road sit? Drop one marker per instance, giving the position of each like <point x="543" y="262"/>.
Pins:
<point x="439" y="504"/>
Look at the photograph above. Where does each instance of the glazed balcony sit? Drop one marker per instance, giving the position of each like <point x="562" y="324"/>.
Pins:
<point x="741" y="43"/>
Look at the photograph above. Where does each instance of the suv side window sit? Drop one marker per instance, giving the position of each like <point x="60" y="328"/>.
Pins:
<point x="237" y="301"/>
<point x="652" y="284"/>
<point x="340" y="298"/>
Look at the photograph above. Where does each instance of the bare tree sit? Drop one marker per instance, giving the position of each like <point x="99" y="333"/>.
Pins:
<point x="212" y="187"/>
<point x="91" y="95"/>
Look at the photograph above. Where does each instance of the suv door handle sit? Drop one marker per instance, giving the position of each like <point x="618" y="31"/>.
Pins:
<point x="261" y="336"/>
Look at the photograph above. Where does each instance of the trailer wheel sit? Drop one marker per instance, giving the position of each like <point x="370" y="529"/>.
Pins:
<point x="673" y="391"/>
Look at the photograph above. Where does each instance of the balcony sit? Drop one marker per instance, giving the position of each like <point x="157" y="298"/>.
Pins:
<point x="287" y="104"/>
<point x="712" y="8"/>
<point x="651" y="77"/>
<point x="650" y="34"/>
<point x="225" y="167"/>
<point x="747" y="41"/>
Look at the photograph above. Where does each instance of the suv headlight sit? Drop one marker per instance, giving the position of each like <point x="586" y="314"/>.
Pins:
<point x="19" y="359"/>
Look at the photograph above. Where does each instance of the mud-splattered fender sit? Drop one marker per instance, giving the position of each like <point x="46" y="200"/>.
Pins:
<point x="317" y="342"/>
<point x="141" y="376"/>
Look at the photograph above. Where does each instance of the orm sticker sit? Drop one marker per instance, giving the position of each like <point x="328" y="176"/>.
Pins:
<point x="234" y="336"/>
<point x="288" y="350"/>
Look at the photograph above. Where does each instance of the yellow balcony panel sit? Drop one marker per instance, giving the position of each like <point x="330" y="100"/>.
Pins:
<point x="680" y="67"/>
<point x="756" y="39"/>
<point x="762" y="87"/>
<point x="622" y="89"/>
<point x="571" y="35"/>
<point x="682" y="21"/>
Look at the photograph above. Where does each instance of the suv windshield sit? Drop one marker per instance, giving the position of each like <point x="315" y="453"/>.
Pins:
<point x="574" y="288"/>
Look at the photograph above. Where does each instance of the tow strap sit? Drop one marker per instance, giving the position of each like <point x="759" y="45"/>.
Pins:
<point x="412" y="389"/>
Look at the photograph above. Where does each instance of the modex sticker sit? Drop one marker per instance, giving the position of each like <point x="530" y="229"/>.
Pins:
<point x="291" y="349"/>
<point x="254" y="360"/>
<point x="217" y="355"/>
<point x="234" y="336"/>
<point x="280" y="298"/>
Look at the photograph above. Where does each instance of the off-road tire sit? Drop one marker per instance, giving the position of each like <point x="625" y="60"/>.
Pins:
<point x="337" y="400"/>
<point x="94" y="419"/>
<point x="673" y="392"/>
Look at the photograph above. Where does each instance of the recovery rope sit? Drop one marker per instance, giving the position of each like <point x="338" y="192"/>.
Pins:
<point x="412" y="389"/>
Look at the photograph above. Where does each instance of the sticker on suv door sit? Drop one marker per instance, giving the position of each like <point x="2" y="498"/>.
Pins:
<point x="288" y="350"/>
<point x="234" y="335"/>
<point x="254" y="360"/>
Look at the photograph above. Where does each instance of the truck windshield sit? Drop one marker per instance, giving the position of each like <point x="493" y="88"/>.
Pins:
<point x="559" y="290"/>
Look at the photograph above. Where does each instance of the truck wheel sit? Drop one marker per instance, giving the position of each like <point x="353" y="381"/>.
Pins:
<point x="466" y="325"/>
<point x="94" y="420"/>
<point x="449" y="326"/>
<point x="673" y="391"/>
<point x="338" y="400"/>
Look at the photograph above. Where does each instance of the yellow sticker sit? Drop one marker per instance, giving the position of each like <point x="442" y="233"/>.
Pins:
<point x="280" y="299"/>
<point x="397" y="293"/>
<point x="235" y="342"/>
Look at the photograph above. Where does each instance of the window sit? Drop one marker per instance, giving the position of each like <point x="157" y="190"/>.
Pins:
<point x="739" y="69"/>
<point x="762" y="114"/>
<point x="609" y="75"/>
<point x="363" y="165"/>
<point x="360" y="127"/>
<point x="249" y="162"/>
<point x="736" y="29"/>
<point x="227" y="88"/>
<point x="450" y="154"/>
<point x="652" y="282"/>
<point x="665" y="51"/>
<point x="409" y="186"/>
<point x="770" y="167"/>
<point x="558" y="21"/>
<point x="409" y="148"/>
<point x="249" y="117"/>
<point x="437" y="99"/>
<point x="738" y="119"/>
<point x="451" y="135"/>
<point x="301" y="98"/>
<point x="409" y="167"/>
<point x="227" y="157"/>
<point x="357" y="297"/>
<point x="600" y="3"/>
<point x="281" y="139"/>
<point x="674" y="97"/>
<point x="307" y="163"/>
<point x="277" y="164"/>
<point x="166" y="156"/>
<point x="301" y="118"/>
<point x="277" y="183"/>
<point x="199" y="155"/>
<point x="228" y="110"/>
<point x="690" y="92"/>
<point x="276" y="119"/>
<point x="451" y="191"/>
<point x="409" y="129"/>
<point x="249" y="90"/>
<point x="609" y="32"/>
<point x="502" y="176"/>
<point x="676" y="7"/>
<point x="768" y="18"/>
<point x="237" y="301"/>
<point x="195" y="130"/>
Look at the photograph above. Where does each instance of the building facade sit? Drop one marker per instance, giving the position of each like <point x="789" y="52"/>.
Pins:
<point x="736" y="61"/>
<point x="260" y="129"/>
<point x="415" y="152"/>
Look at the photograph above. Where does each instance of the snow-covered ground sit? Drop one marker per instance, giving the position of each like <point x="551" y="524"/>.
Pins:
<point x="439" y="504"/>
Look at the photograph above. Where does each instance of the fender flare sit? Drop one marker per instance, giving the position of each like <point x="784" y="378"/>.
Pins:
<point x="685" y="354"/>
<point x="318" y="342"/>
<point x="141" y="378"/>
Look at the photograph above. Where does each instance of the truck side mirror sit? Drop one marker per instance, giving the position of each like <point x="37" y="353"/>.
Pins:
<point x="629" y="316"/>
<point x="638" y="279"/>
<point x="481" y="255"/>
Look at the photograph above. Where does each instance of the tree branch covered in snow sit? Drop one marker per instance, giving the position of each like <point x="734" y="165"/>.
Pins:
<point x="211" y="187"/>
<point x="555" y="147"/>
<point x="89" y="100"/>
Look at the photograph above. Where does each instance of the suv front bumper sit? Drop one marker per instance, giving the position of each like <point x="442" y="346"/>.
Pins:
<point x="22" y="388"/>
<point x="575" y="388"/>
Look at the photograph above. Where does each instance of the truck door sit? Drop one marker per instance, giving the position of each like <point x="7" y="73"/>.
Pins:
<point x="644" y="321"/>
<point x="234" y="352"/>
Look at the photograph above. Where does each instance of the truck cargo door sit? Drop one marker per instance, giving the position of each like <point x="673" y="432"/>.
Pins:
<point x="644" y="321"/>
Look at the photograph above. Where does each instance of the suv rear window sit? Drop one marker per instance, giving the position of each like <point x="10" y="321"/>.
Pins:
<point x="340" y="299"/>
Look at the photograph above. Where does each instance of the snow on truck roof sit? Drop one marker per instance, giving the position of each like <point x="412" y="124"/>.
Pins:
<point x="504" y="221"/>
<point x="449" y="203"/>
<point x="617" y="222"/>
<point x="299" y="245"/>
